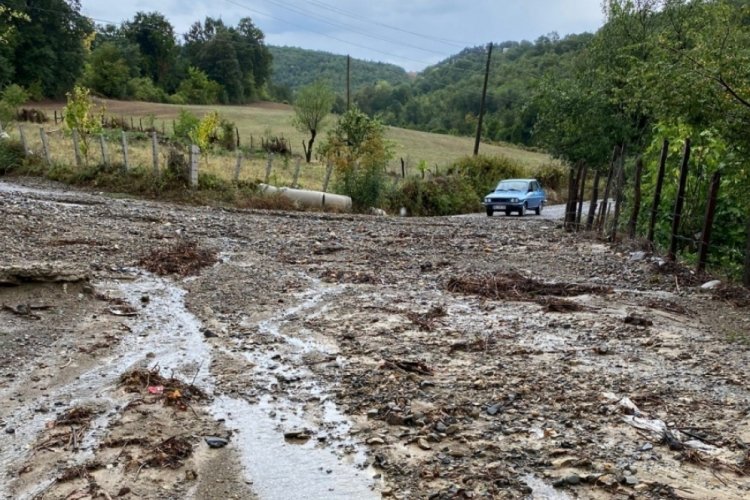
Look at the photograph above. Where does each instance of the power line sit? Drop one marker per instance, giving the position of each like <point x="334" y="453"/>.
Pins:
<point x="349" y="14"/>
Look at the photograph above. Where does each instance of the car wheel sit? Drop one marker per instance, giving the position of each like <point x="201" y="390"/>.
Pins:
<point x="490" y="211"/>
<point x="522" y="210"/>
<point x="539" y="209"/>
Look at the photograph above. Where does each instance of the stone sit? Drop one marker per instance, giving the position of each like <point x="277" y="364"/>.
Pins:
<point x="10" y="430"/>
<point x="630" y="481"/>
<point x="422" y="443"/>
<point x="375" y="441"/>
<point x="573" y="479"/>
<point x="494" y="409"/>
<point x="216" y="442"/>
<point x="711" y="285"/>
<point x="297" y="435"/>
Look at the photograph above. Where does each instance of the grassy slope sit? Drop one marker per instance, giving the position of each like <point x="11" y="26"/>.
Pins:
<point x="275" y="119"/>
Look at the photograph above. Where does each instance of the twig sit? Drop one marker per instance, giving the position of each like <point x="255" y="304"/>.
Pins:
<point x="197" y="372"/>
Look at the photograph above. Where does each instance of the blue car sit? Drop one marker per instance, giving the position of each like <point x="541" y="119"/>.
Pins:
<point x="516" y="195"/>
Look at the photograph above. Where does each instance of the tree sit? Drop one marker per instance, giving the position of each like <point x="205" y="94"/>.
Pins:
<point x="107" y="71"/>
<point x="154" y="35"/>
<point x="197" y="88"/>
<point x="360" y="153"/>
<point x="81" y="115"/>
<point x="311" y="107"/>
<point x="49" y="51"/>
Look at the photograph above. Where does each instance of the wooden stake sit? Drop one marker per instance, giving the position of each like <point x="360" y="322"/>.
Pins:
<point x="708" y="221"/>
<point x="124" y="138"/>
<point x="105" y="154"/>
<point x="269" y="166"/>
<point x="155" y="151"/>
<point x="329" y="170"/>
<point x="238" y="166"/>
<point x="45" y="146"/>
<point x="594" y="200"/>
<point x="25" y="145"/>
<point x="657" y="191"/>
<point x="633" y="224"/>
<point x="76" y="149"/>
<point x="194" y="159"/>
<point x="679" y="202"/>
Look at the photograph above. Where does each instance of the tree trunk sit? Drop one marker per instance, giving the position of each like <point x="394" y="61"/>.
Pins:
<point x="308" y="151"/>
<point x="633" y="224"/>
<point x="592" y="203"/>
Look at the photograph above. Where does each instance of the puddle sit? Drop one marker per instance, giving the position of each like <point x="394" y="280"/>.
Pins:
<point x="541" y="490"/>
<point x="167" y="332"/>
<point x="328" y="465"/>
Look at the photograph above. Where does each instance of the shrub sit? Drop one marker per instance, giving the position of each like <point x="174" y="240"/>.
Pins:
<point x="11" y="155"/>
<point x="226" y="135"/>
<point x="444" y="195"/>
<point x="484" y="172"/>
<point x="10" y="99"/>
<point x="552" y="176"/>
<point x="185" y="125"/>
<point x="143" y="89"/>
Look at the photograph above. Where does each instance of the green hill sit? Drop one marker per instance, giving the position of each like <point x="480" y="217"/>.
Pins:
<point x="293" y="68"/>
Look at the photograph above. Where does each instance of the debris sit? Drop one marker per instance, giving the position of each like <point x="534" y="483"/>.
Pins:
<point x="184" y="258"/>
<point x="557" y="305"/>
<point x="40" y="272"/>
<point x="297" y="435"/>
<point x="514" y="286"/>
<point x="711" y="285"/>
<point x="426" y="321"/>
<point x="122" y="310"/>
<point x="156" y="389"/>
<point x="409" y="366"/>
<point x="636" y="320"/>
<point x="170" y="453"/>
<point x="173" y="392"/>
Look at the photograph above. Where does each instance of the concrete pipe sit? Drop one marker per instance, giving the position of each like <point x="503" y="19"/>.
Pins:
<point x="312" y="199"/>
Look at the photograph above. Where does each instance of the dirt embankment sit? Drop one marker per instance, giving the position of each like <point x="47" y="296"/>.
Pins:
<point x="335" y="356"/>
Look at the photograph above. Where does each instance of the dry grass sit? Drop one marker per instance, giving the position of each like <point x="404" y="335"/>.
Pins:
<point x="263" y="120"/>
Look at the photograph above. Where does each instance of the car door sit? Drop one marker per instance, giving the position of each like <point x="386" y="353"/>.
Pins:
<point x="536" y="198"/>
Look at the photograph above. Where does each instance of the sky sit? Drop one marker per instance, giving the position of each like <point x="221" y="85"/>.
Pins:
<point x="412" y="34"/>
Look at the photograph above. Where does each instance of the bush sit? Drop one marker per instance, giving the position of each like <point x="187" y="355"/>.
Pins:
<point x="11" y="155"/>
<point x="445" y="195"/>
<point x="143" y="89"/>
<point x="552" y="176"/>
<point x="185" y="125"/>
<point x="11" y="98"/>
<point x="226" y="135"/>
<point x="484" y="172"/>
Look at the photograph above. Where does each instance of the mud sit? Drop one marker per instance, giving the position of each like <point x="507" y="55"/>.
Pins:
<point x="357" y="357"/>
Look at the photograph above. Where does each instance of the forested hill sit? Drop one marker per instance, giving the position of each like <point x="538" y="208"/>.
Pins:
<point x="293" y="68"/>
<point x="446" y="97"/>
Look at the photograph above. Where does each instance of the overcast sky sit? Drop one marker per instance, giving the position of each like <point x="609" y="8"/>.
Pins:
<point x="410" y="33"/>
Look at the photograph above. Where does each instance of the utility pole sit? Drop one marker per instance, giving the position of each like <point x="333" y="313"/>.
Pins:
<point x="484" y="98"/>
<point x="348" y="82"/>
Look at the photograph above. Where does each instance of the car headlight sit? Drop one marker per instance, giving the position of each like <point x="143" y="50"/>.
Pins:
<point x="487" y="200"/>
<point x="514" y="200"/>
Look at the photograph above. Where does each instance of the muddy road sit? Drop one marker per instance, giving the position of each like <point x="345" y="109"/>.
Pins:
<point x="278" y="355"/>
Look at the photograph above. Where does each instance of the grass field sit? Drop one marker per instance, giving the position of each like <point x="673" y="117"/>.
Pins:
<point x="268" y="120"/>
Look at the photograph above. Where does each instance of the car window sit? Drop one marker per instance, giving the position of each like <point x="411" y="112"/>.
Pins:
<point x="513" y="186"/>
<point x="535" y="186"/>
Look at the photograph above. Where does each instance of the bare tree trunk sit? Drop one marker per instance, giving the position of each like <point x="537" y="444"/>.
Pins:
<point x="308" y="150"/>
<point x="592" y="203"/>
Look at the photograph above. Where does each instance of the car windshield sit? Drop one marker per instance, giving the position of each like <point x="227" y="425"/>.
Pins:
<point x="512" y="186"/>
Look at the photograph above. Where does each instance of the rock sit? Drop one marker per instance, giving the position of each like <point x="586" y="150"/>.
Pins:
<point x="563" y="462"/>
<point x="607" y="480"/>
<point x="216" y="442"/>
<point x="573" y="479"/>
<point x="711" y="285"/>
<point x="375" y="441"/>
<point x="297" y="435"/>
<point x="10" y="430"/>
<point x="630" y="481"/>
<point x="441" y="427"/>
<point x="209" y="334"/>
<point x="422" y="443"/>
<point x="123" y="491"/>
<point x="602" y="349"/>
<point x="494" y="409"/>
<point x="637" y="256"/>
<point x="647" y="447"/>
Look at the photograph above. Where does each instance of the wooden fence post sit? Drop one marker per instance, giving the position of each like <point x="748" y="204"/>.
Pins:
<point x="633" y="224"/>
<point x="746" y="273"/>
<point x="580" y="196"/>
<point x="105" y="154"/>
<point x="570" y="212"/>
<point x="657" y="191"/>
<point x="25" y="145"/>
<point x="45" y="146"/>
<point x="594" y="200"/>
<point x="155" y="151"/>
<point x="619" y="188"/>
<point x="55" y="116"/>
<point x="238" y="166"/>
<point x="269" y="166"/>
<point x="237" y="134"/>
<point x="708" y="221"/>
<point x="125" y="151"/>
<point x="194" y="159"/>
<point x="329" y="169"/>
<point x="297" y="168"/>
<point x="679" y="202"/>
<point x="605" y="201"/>
<point x="76" y="149"/>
